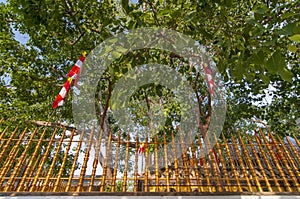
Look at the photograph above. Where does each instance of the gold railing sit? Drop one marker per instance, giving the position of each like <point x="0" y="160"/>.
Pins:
<point x="56" y="160"/>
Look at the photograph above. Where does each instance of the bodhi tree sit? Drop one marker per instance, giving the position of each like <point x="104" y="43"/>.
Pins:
<point x="255" y="45"/>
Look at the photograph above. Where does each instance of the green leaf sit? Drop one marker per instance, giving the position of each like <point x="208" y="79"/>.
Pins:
<point x="295" y="38"/>
<point x="228" y="3"/>
<point x="257" y="58"/>
<point x="275" y="62"/>
<point x="190" y="17"/>
<point x="125" y="5"/>
<point x="116" y="54"/>
<point x="289" y="15"/>
<point x="122" y="49"/>
<point x="237" y="73"/>
<point x="289" y="29"/>
<point x="286" y="75"/>
<point x="265" y="79"/>
<point x="260" y="12"/>
<point x="292" y="48"/>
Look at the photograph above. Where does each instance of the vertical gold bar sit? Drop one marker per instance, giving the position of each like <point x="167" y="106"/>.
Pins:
<point x="41" y="165"/>
<point x="103" y="180"/>
<point x="32" y="172"/>
<point x="213" y="163"/>
<point x="277" y="164"/>
<point x="262" y="169"/>
<point x="85" y="160"/>
<point x="96" y="160"/>
<point x="9" y="186"/>
<point x="64" y="160"/>
<point x="156" y="164"/>
<point x="222" y="160"/>
<point x="137" y="144"/>
<point x="250" y="165"/>
<point x="195" y="166"/>
<point x="76" y="155"/>
<point x="215" y="166"/>
<point x="94" y="167"/>
<point x="146" y="189"/>
<point x="166" y="164"/>
<point x="31" y="161"/>
<point x="1" y="136"/>
<point x="283" y="156"/>
<point x="292" y="161"/>
<point x="124" y="184"/>
<point x="175" y="163"/>
<point x="109" y="161"/>
<point x="232" y="164"/>
<point x="47" y="180"/>
<point x="298" y="142"/>
<point x="297" y="146"/>
<point x="11" y="157"/>
<point x="262" y="152"/>
<point x="185" y="162"/>
<point x="294" y="151"/>
<point x="241" y="163"/>
<point x="205" y="169"/>
<point x="113" y="186"/>
<point x="8" y="143"/>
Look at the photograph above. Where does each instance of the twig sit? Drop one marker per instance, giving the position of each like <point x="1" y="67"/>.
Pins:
<point x="53" y="124"/>
<point x="106" y="104"/>
<point x="95" y="30"/>
<point x="56" y="70"/>
<point x="154" y="12"/>
<point x="259" y="121"/>
<point x="72" y="13"/>
<point x="78" y="39"/>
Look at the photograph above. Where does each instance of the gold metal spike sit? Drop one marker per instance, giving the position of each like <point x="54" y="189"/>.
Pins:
<point x="85" y="160"/>
<point x="29" y="166"/>
<point x="233" y="166"/>
<point x="37" y="178"/>
<point x="258" y="161"/>
<point x="49" y="179"/>
<point x="76" y="155"/>
<point x="275" y="160"/>
<point x="136" y="162"/>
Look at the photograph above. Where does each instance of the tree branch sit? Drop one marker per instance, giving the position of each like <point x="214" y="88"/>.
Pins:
<point x="58" y="71"/>
<point x="259" y="121"/>
<point x="53" y="124"/>
<point x="202" y="126"/>
<point x="78" y="39"/>
<point x="149" y="112"/>
<point x="104" y="113"/>
<point x="95" y="30"/>
<point x="154" y="12"/>
<point x="72" y="13"/>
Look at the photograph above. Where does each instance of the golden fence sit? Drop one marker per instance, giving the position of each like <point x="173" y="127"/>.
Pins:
<point x="56" y="160"/>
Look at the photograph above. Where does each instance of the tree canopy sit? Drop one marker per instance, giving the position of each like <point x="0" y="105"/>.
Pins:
<point x="255" y="45"/>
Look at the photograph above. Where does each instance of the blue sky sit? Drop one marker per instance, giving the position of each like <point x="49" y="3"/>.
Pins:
<point x="18" y="36"/>
<point x="21" y="37"/>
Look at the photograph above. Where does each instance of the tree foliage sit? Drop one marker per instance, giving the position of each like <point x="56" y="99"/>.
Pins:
<point x="255" y="45"/>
